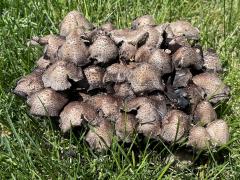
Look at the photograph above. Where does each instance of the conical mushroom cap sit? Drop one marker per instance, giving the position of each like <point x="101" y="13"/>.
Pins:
<point x="100" y="137"/>
<point x="115" y="73"/>
<point x="94" y="76"/>
<point x="204" y="113"/>
<point x="74" y="113"/>
<point x="174" y="125"/>
<point x="154" y="39"/>
<point x="43" y="63"/>
<point x="72" y="20"/>
<point x="57" y="76"/>
<point x="219" y="132"/>
<point x="127" y="52"/>
<point x="211" y="61"/>
<point x="199" y="138"/>
<point x="173" y="44"/>
<point x="150" y="130"/>
<point x="29" y="84"/>
<point x="144" y="53"/>
<point x="143" y="21"/>
<point x="46" y="102"/>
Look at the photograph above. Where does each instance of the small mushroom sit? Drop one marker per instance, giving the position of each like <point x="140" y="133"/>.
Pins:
<point x="74" y="113"/>
<point x="219" y="132"/>
<point x="154" y="39"/>
<point x="144" y="53"/>
<point x="204" y="113"/>
<point x="94" y="75"/>
<point x="103" y="49"/>
<point x="127" y="52"/>
<point x="72" y="20"/>
<point x="182" y="78"/>
<point x="29" y="84"/>
<point x="145" y="78"/>
<point x="173" y="44"/>
<point x="43" y="63"/>
<point x="58" y="75"/>
<point x="211" y="61"/>
<point x="107" y="27"/>
<point x="150" y="129"/>
<point x="123" y="90"/>
<point x="143" y="21"/>
<point x="100" y="137"/>
<point x="174" y="126"/>
<point x="115" y="73"/>
<point x="214" y="88"/>
<point x="199" y="138"/>
<point x="46" y="102"/>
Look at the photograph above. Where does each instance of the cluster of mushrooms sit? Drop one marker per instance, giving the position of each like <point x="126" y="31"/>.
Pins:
<point x="154" y="80"/>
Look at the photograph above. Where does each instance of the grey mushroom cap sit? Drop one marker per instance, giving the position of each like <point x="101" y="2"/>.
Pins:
<point x="154" y="39"/>
<point x="100" y="137"/>
<point x="94" y="75"/>
<point x="75" y="113"/>
<point x="145" y="78"/>
<point x="182" y="78"/>
<point x="123" y="90"/>
<point x="46" y="102"/>
<point x="116" y="73"/>
<point x="103" y="49"/>
<point x="204" y="113"/>
<point x="72" y="20"/>
<point x="127" y="52"/>
<point x="150" y="130"/>
<point x="57" y="75"/>
<point x="29" y="84"/>
<point x="143" y="21"/>
<point x="199" y="138"/>
<point x="125" y="127"/>
<point x="174" y="126"/>
<point x="144" y="53"/>
<point x="211" y="61"/>
<point x="214" y="88"/>
<point x="43" y="63"/>
<point x="187" y="57"/>
<point x="173" y="44"/>
<point x="219" y="132"/>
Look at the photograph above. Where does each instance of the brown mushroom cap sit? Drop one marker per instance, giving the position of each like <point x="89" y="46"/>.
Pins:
<point x="29" y="84"/>
<point x="43" y="63"/>
<point x="57" y="76"/>
<point x="144" y="53"/>
<point x="94" y="76"/>
<point x="199" y="138"/>
<point x="154" y="39"/>
<point x="100" y="137"/>
<point x="107" y="27"/>
<point x="103" y="49"/>
<point x="143" y="21"/>
<point x="173" y="44"/>
<point x="211" y="61"/>
<point x="174" y="125"/>
<point x="123" y="90"/>
<point x="145" y="78"/>
<point x="219" y="132"/>
<point x="72" y="20"/>
<point x="182" y="78"/>
<point x="46" y="102"/>
<point x="150" y="129"/>
<point x="204" y="113"/>
<point x="127" y="52"/>
<point x="74" y="113"/>
<point x="214" y="88"/>
<point x="116" y="73"/>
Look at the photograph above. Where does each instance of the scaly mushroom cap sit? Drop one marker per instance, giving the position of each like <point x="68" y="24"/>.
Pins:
<point x="100" y="137"/>
<point x="78" y="34"/>
<point x="173" y="44"/>
<point x="29" y="84"/>
<point x="182" y="78"/>
<point x="125" y="127"/>
<point x="46" y="102"/>
<point x="204" y="113"/>
<point x="57" y="75"/>
<point x="115" y="73"/>
<point x="211" y="61"/>
<point x="199" y="138"/>
<point x="150" y="130"/>
<point x="43" y="63"/>
<point x="134" y="37"/>
<point x="144" y="53"/>
<point x="219" y="132"/>
<point x="103" y="49"/>
<point x="94" y="76"/>
<point x="40" y="40"/>
<point x="107" y="27"/>
<point x="174" y="125"/>
<point x="127" y="52"/>
<point x="123" y="90"/>
<point x="185" y="57"/>
<point x="72" y="20"/>
<point x="214" y="88"/>
<point x="74" y="50"/>
<point x="145" y="78"/>
<point x="161" y="60"/>
<point x="143" y="21"/>
<point x="184" y="28"/>
<point x="74" y="113"/>
<point x="154" y="39"/>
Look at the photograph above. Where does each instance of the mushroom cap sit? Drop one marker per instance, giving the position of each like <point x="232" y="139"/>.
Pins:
<point x="143" y="21"/>
<point x="184" y="28"/>
<point x="161" y="60"/>
<point x="125" y="127"/>
<point x="78" y="34"/>
<point x="173" y="44"/>
<point x="174" y="125"/>
<point x="123" y="90"/>
<point x="94" y="75"/>
<point x="29" y="84"/>
<point x="74" y="113"/>
<point x="214" y="88"/>
<point x="43" y="63"/>
<point x="185" y="57"/>
<point x="154" y="39"/>
<point x="182" y="78"/>
<point x="46" y="102"/>
<point x="145" y="78"/>
<point x="150" y="129"/>
<point x="219" y="132"/>
<point x="116" y="73"/>
<point x="72" y="20"/>
<point x="103" y="49"/>
<point x="127" y="52"/>
<point x="199" y="138"/>
<point x="144" y="53"/>
<point x="211" y="61"/>
<point x="100" y="137"/>
<point x="107" y="27"/>
<point x="57" y="75"/>
<point x="204" y="113"/>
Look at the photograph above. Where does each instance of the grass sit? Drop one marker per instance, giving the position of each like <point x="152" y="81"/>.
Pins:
<point x="33" y="148"/>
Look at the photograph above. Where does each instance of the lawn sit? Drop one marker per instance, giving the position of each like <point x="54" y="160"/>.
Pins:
<point x="33" y="148"/>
